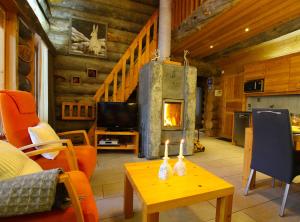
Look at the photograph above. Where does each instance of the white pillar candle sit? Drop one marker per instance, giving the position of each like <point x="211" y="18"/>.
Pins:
<point x="181" y="147"/>
<point x="166" y="148"/>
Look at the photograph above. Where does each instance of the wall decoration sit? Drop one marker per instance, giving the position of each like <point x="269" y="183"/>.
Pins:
<point x="92" y="73"/>
<point x="25" y="69"/>
<point x="25" y="53"/>
<point x="218" y="92"/>
<point x="88" y="38"/>
<point x="75" y="80"/>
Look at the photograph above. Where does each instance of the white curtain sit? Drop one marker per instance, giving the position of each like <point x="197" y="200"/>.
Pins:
<point x="42" y="77"/>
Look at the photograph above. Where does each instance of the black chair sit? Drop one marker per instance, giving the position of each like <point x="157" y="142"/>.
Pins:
<point x="273" y="150"/>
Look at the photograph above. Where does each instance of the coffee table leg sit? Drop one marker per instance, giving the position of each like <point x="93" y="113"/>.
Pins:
<point x="128" y="199"/>
<point x="224" y="209"/>
<point x="154" y="217"/>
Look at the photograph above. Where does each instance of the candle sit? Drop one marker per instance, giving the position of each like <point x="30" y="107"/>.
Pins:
<point x="181" y="147"/>
<point x="166" y="148"/>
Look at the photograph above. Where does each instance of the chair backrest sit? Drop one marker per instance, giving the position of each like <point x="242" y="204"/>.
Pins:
<point x="18" y="112"/>
<point x="273" y="152"/>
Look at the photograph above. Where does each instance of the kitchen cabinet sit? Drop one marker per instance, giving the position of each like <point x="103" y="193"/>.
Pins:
<point x="277" y="75"/>
<point x="254" y="71"/>
<point x="294" y="80"/>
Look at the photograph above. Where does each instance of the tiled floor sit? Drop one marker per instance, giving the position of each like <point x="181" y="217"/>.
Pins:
<point x="221" y="158"/>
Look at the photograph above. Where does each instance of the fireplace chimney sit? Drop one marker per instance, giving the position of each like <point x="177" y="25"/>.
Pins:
<point x="164" y="33"/>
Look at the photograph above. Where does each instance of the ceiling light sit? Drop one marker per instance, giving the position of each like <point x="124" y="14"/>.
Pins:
<point x="247" y="29"/>
<point x="211" y="46"/>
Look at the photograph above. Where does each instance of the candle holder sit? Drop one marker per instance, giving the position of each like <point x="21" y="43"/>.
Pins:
<point x="180" y="168"/>
<point x="165" y="170"/>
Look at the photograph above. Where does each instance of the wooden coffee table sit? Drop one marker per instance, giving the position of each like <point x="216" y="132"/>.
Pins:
<point x="157" y="195"/>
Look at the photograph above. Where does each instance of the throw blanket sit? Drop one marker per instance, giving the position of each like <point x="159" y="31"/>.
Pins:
<point x="27" y="194"/>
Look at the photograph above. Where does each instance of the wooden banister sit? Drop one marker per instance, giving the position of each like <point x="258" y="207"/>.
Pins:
<point x="139" y="53"/>
<point x="181" y="9"/>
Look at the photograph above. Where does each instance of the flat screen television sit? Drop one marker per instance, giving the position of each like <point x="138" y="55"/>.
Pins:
<point x="117" y="116"/>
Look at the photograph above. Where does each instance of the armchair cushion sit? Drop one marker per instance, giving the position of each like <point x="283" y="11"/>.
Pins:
<point x="14" y="162"/>
<point x="43" y="132"/>
<point x="88" y="205"/>
<point x="29" y="194"/>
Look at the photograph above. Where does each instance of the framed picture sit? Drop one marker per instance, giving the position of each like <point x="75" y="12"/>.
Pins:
<point x="92" y="73"/>
<point x="88" y="38"/>
<point x="75" y="80"/>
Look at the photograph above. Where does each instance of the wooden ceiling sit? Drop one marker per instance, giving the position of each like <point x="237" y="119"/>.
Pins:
<point x="229" y="27"/>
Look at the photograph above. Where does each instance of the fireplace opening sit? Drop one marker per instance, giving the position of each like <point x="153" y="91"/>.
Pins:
<point x="172" y="114"/>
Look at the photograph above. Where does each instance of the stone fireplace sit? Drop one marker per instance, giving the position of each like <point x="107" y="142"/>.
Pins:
<point x="167" y="101"/>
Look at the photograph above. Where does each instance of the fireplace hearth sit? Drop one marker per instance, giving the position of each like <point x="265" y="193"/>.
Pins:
<point x="167" y="108"/>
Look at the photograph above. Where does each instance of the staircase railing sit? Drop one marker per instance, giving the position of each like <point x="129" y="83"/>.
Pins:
<point x="123" y="79"/>
<point x="181" y="9"/>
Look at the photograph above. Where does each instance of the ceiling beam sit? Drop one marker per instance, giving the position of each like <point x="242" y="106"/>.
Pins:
<point x="203" y="69"/>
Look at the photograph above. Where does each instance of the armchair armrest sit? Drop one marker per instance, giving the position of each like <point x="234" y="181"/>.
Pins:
<point x="70" y="153"/>
<point x="64" y="178"/>
<point x="42" y="144"/>
<point x="85" y="136"/>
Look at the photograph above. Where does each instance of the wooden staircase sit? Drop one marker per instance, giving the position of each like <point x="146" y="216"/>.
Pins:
<point x="123" y="79"/>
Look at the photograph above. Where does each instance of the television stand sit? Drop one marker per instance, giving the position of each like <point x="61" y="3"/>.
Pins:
<point x="127" y="140"/>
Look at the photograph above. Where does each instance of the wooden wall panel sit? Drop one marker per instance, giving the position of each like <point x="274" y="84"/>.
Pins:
<point x="232" y="101"/>
<point x="2" y="46"/>
<point x="11" y="34"/>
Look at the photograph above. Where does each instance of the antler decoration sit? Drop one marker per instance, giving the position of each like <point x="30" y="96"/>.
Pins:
<point x="205" y="10"/>
<point x="156" y="55"/>
<point x="186" y="61"/>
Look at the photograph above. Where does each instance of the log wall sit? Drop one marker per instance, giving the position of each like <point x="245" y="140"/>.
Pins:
<point x="124" y="21"/>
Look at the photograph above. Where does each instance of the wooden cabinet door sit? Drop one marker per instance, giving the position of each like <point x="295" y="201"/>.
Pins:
<point x="294" y="81"/>
<point x="254" y="71"/>
<point x="277" y="75"/>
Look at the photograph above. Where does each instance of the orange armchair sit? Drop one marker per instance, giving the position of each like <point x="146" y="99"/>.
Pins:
<point x="83" y="206"/>
<point x="18" y="112"/>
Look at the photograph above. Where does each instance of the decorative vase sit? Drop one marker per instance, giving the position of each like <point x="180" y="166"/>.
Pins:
<point x="165" y="170"/>
<point x="180" y="168"/>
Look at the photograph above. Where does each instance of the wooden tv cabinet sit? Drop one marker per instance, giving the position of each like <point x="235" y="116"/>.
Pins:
<point x="128" y="140"/>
